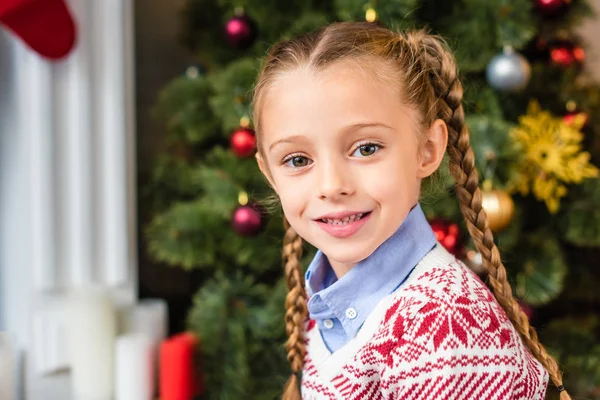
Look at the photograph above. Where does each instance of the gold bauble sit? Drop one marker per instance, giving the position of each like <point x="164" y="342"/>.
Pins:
<point x="499" y="207"/>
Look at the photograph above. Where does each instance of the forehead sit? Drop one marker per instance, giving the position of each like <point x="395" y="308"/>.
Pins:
<point x="304" y="100"/>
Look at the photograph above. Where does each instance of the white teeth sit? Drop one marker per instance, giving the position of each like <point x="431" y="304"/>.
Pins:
<point x="343" y="221"/>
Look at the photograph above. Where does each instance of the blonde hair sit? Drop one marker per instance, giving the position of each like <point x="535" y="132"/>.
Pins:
<point x="428" y="78"/>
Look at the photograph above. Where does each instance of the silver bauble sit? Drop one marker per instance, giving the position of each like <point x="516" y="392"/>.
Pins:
<point x="508" y="71"/>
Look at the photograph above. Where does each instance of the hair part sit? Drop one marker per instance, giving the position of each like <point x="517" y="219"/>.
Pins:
<point x="426" y="75"/>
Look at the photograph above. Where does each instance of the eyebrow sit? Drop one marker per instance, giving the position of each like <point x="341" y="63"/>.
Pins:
<point x="353" y="127"/>
<point x="289" y="139"/>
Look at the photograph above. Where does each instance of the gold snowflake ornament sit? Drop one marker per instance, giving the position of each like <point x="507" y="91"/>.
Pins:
<point x="551" y="155"/>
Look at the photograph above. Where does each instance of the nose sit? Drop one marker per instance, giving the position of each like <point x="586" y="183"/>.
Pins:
<point x="335" y="181"/>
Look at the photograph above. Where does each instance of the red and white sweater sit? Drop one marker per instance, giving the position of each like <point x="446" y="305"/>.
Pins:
<point x="441" y="335"/>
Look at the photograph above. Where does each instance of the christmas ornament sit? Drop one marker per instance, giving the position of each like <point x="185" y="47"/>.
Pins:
<point x="551" y="156"/>
<point x="474" y="261"/>
<point x="551" y="7"/>
<point x="243" y="142"/>
<point x="499" y="208"/>
<point x="240" y="31"/>
<point x="447" y="233"/>
<point x="566" y="54"/>
<point x="247" y="220"/>
<point x="46" y="26"/>
<point x="508" y="71"/>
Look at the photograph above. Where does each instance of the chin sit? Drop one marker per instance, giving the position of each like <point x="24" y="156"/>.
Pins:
<point x="342" y="254"/>
<point x="346" y="251"/>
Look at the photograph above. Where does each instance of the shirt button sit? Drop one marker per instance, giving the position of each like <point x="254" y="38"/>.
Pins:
<point x="351" y="313"/>
<point x="328" y="323"/>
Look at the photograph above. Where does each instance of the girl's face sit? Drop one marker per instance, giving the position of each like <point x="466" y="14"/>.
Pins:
<point x="340" y="144"/>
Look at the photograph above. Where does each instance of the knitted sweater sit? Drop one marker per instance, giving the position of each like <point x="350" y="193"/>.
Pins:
<point x="441" y="335"/>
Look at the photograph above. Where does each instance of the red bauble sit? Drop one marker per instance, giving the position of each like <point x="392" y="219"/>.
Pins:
<point x="243" y="142"/>
<point x="240" y="31"/>
<point x="247" y="220"/>
<point x="448" y="234"/>
<point x="551" y="7"/>
<point x="566" y="54"/>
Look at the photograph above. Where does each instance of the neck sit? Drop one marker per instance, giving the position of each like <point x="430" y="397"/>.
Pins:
<point x="340" y="269"/>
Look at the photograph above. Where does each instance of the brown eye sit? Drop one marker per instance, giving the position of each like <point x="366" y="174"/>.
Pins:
<point x="296" y="162"/>
<point x="366" y="150"/>
<point x="299" y="161"/>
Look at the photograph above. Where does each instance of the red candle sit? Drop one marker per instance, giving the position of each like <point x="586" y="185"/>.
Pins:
<point x="177" y="373"/>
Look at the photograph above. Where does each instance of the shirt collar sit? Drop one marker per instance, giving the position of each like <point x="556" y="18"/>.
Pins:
<point x="371" y="279"/>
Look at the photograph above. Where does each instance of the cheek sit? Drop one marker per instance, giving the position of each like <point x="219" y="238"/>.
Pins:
<point x="289" y="205"/>
<point x="391" y="192"/>
<point x="394" y="180"/>
<point x="293" y="210"/>
<point x="291" y="199"/>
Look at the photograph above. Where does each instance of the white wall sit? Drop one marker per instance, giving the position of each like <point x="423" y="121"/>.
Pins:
<point x="67" y="186"/>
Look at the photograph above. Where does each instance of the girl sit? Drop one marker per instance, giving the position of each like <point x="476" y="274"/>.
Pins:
<point x="349" y="120"/>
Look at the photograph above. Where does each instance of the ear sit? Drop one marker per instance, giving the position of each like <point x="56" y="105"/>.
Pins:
<point x="434" y="149"/>
<point x="262" y="165"/>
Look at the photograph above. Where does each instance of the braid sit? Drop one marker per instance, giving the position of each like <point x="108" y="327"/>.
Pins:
<point x="443" y="78"/>
<point x="296" y="311"/>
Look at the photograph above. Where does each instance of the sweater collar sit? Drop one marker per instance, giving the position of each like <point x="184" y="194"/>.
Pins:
<point x="352" y="298"/>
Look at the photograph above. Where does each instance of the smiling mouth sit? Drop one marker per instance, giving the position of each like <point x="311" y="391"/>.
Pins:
<point x="346" y="220"/>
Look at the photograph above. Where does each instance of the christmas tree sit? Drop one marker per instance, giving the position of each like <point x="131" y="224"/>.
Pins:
<point x="536" y="138"/>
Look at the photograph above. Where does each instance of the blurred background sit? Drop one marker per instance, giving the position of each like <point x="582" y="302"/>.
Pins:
<point x="136" y="256"/>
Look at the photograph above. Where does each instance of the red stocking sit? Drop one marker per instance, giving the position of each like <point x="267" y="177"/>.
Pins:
<point x="45" y="25"/>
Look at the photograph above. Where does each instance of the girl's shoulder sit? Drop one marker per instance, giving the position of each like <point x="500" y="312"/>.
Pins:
<point x="444" y="326"/>
<point x="444" y="295"/>
<point x="440" y="276"/>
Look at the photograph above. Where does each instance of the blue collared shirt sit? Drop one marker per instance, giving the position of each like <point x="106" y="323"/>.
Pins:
<point x="340" y="307"/>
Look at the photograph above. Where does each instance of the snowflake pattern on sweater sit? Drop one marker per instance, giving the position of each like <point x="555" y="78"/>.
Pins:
<point x="442" y="335"/>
